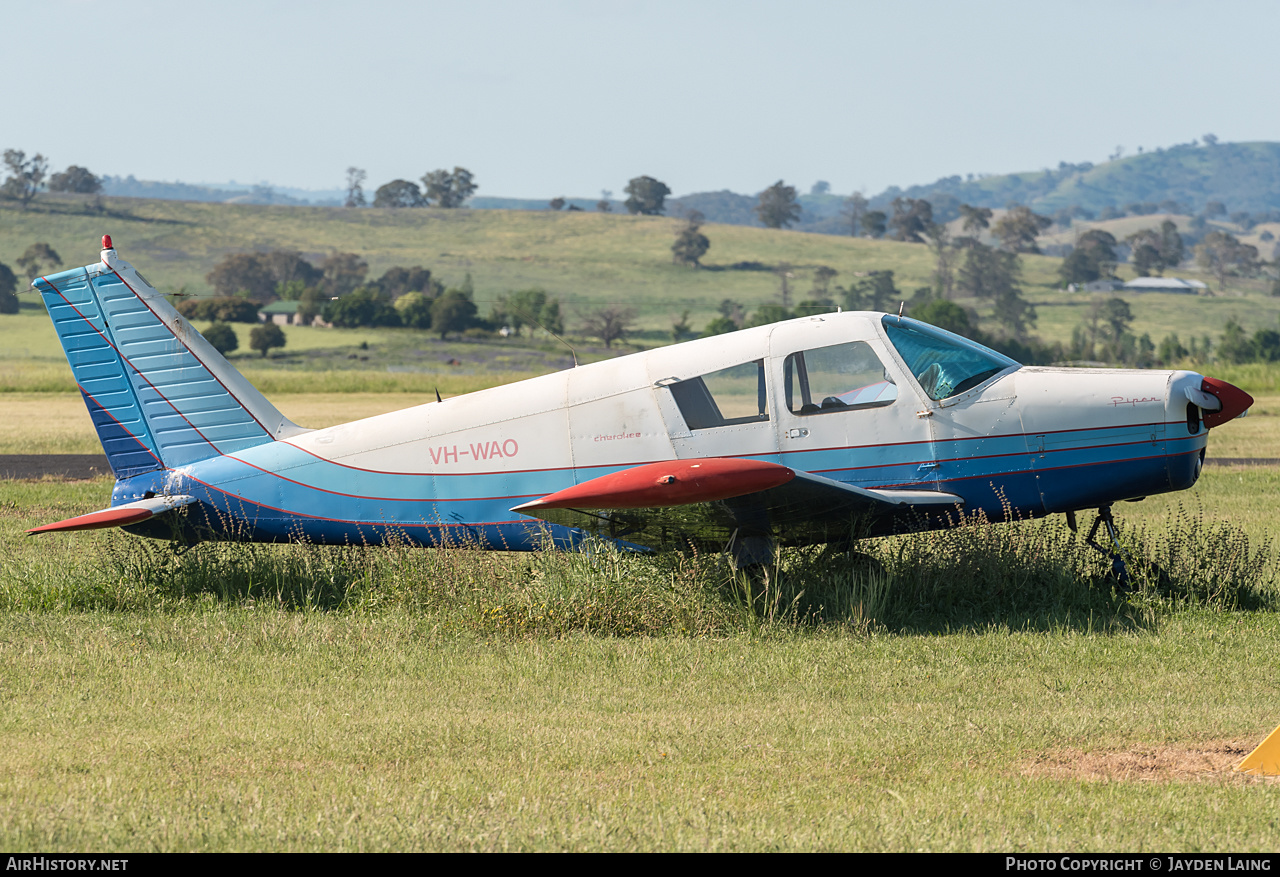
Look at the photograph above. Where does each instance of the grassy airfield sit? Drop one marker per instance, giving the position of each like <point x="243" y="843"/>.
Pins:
<point x="987" y="689"/>
<point x="990" y="690"/>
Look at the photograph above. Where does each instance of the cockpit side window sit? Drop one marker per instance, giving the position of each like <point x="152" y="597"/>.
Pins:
<point x="840" y="377"/>
<point x="721" y="398"/>
<point x="944" y="364"/>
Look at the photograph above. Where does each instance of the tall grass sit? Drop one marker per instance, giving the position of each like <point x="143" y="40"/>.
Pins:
<point x="1023" y="575"/>
<point x="36" y="377"/>
<point x="1026" y="574"/>
<point x="1252" y="377"/>
<point x="1195" y="562"/>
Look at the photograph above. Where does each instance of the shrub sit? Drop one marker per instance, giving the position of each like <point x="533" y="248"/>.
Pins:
<point x="265" y="337"/>
<point x="220" y="309"/>
<point x="222" y="337"/>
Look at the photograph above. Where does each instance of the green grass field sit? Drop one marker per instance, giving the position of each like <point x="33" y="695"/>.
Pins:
<point x="277" y="698"/>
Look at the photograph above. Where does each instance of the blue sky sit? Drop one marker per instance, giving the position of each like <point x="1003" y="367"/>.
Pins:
<point x="566" y="97"/>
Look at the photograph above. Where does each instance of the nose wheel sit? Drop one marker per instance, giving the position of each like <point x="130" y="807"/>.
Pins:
<point x="1116" y="556"/>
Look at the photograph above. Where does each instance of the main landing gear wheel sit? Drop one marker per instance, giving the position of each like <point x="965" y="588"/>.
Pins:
<point x="843" y="553"/>
<point x="751" y="553"/>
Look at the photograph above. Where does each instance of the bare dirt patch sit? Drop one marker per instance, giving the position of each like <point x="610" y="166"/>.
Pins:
<point x="1211" y="762"/>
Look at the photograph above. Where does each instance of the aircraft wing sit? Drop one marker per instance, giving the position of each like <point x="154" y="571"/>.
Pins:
<point x="707" y="502"/>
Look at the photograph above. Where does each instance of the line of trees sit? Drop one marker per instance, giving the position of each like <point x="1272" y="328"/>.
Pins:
<point x="25" y="177"/>
<point x="37" y="259"/>
<point x="1095" y="255"/>
<point x="1154" y="251"/>
<point x="337" y="291"/>
<point x="1106" y="335"/>
<point x="440" y="188"/>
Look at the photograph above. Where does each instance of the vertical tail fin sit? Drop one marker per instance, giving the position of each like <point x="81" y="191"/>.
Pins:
<point x="159" y="394"/>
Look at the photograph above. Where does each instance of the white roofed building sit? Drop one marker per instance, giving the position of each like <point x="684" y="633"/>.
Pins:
<point x="1166" y="284"/>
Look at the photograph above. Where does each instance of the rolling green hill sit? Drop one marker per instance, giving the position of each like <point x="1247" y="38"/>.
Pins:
<point x="586" y="259"/>
<point x="1243" y="176"/>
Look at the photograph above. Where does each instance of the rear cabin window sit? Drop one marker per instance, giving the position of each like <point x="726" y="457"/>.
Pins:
<point x="723" y="398"/>
<point x="841" y="377"/>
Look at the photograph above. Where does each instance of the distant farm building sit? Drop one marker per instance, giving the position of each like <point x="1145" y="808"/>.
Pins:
<point x="1108" y="285"/>
<point x="282" y="312"/>
<point x="285" y="313"/>
<point x="1166" y="284"/>
<point x="1142" y="284"/>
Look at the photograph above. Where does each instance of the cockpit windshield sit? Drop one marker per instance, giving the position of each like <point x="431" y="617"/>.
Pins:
<point x="943" y="363"/>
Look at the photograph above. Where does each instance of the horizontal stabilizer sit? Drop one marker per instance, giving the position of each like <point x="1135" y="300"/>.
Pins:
<point x="708" y="501"/>
<point x="118" y="516"/>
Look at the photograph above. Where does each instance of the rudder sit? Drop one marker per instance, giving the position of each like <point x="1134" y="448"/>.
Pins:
<point x="159" y="395"/>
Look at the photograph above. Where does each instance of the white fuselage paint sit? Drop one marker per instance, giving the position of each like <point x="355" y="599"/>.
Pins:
<point x="617" y="413"/>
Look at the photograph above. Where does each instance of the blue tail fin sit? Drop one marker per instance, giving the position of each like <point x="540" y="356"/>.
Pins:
<point x="159" y="394"/>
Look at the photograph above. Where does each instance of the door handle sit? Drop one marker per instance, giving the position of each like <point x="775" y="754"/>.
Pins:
<point x="798" y="433"/>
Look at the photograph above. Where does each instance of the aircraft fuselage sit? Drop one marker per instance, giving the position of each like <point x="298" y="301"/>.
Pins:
<point x="1022" y="441"/>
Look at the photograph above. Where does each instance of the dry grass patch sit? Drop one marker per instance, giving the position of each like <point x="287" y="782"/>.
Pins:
<point x="1206" y="762"/>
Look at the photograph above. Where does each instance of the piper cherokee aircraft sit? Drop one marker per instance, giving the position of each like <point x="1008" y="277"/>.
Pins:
<point x="814" y="430"/>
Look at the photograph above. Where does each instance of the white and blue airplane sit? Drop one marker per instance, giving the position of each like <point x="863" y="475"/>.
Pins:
<point x="822" y="429"/>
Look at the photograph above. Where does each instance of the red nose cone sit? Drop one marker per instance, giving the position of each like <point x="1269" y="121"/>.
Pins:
<point x="106" y="242"/>
<point x="1235" y="401"/>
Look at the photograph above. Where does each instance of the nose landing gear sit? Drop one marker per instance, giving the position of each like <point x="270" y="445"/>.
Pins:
<point x="1118" y="568"/>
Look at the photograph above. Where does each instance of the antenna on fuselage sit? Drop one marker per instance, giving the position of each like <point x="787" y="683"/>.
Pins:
<point x="901" y="305"/>
<point x="438" y="399"/>
<point x="537" y="323"/>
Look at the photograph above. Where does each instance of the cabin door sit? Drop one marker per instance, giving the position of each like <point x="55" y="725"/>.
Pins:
<point x="845" y="413"/>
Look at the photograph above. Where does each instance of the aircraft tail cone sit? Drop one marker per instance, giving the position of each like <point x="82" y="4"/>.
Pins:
<point x="1265" y="760"/>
